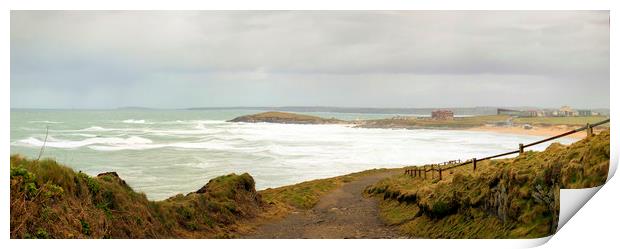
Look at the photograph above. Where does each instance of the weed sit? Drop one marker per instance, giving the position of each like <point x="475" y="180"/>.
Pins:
<point x="85" y="227"/>
<point x="53" y="191"/>
<point x="41" y="233"/>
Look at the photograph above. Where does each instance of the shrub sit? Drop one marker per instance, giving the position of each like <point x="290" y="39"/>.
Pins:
<point x="85" y="227"/>
<point x="41" y="234"/>
<point x="31" y="189"/>
<point x="53" y="191"/>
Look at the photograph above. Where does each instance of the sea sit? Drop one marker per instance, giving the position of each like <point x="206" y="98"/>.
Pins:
<point x="167" y="152"/>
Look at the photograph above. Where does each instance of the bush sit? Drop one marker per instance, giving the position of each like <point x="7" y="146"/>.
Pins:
<point x="41" y="234"/>
<point x="53" y="191"/>
<point x="85" y="227"/>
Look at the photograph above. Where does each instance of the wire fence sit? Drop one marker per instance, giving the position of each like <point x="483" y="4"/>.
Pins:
<point x="440" y="167"/>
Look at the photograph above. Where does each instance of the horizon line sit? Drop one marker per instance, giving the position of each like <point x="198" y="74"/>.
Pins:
<point x="286" y="106"/>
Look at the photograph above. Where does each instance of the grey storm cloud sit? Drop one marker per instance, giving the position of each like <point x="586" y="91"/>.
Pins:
<point x="107" y="59"/>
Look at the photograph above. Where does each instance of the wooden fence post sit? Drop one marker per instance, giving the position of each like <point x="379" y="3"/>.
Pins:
<point x="432" y="171"/>
<point x="440" y="174"/>
<point x="520" y="149"/>
<point x="424" y="172"/>
<point x="589" y="128"/>
<point x="473" y="161"/>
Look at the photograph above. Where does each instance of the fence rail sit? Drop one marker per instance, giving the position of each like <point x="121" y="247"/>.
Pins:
<point x="438" y="167"/>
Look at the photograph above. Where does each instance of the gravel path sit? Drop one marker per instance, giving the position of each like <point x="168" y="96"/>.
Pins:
<point x="343" y="213"/>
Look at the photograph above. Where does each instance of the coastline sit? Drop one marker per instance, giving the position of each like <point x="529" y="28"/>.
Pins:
<point x="535" y="131"/>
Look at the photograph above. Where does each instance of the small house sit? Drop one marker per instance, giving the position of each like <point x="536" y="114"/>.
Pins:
<point x="442" y="115"/>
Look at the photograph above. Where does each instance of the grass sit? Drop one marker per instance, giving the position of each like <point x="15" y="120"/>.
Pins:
<point x="505" y="198"/>
<point x="569" y="121"/>
<point x="286" y="117"/>
<point x="49" y="200"/>
<point x="456" y="123"/>
<point x="307" y="194"/>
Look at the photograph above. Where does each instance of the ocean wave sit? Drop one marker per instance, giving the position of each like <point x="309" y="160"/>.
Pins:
<point x="71" y="144"/>
<point x="200" y="121"/>
<point x="95" y="128"/>
<point x="178" y="145"/>
<point x="134" y="121"/>
<point x="45" y="122"/>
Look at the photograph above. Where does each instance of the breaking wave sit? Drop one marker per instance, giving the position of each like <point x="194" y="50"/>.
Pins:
<point x="45" y="122"/>
<point x="71" y="144"/>
<point x="133" y="121"/>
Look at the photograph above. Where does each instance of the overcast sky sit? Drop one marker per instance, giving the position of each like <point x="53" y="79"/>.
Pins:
<point x="98" y="59"/>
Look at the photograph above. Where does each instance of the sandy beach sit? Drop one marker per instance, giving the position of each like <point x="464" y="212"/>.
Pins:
<point x="547" y="131"/>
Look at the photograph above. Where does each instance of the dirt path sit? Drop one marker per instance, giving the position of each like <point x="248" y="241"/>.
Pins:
<point x="343" y="213"/>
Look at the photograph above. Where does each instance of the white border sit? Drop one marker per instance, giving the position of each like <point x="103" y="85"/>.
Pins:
<point x="584" y="229"/>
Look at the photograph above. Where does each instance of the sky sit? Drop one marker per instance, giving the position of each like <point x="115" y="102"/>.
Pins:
<point x="408" y="59"/>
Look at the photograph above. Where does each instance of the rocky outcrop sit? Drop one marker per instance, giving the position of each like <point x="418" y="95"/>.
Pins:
<point x="286" y="118"/>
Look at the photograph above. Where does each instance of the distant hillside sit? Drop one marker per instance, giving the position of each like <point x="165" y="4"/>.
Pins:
<point x="370" y="110"/>
<point x="391" y="123"/>
<point x="417" y="123"/>
<point x="481" y="110"/>
<point x="286" y="118"/>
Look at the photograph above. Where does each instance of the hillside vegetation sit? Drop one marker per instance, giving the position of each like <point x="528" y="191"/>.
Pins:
<point x="49" y="200"/>
<point x="397" y="123"/>
<point x="415" y="123"/>
<point x="506" y="198"/>
<point x="286" y="118"/>
<point x="568" y="121"/>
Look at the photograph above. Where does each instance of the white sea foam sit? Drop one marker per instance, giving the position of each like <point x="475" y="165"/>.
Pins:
<point x="133" y="121"/>
<point x="95" y="128"/>
<point x="70" y="144"/>
<point x="148" y="146"/>
<point x="83" y="135"/>
<point x="44" y="122"/>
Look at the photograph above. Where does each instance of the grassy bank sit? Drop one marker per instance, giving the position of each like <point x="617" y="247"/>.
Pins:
<point x="416" y="123"/>
<point x="506" y="198"/>
<point x="568" y="121"/>
<point x="49" y="200"/>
